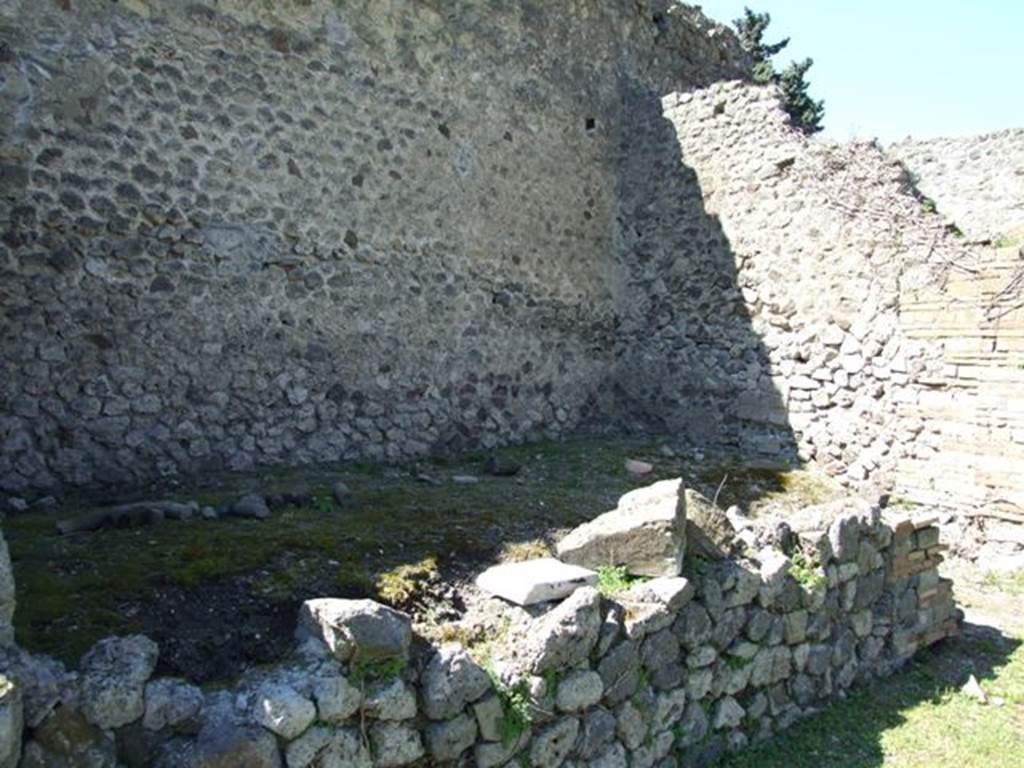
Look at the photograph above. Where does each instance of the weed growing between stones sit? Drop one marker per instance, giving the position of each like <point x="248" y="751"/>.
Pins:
<point x="515" y="706"/>
<point x="807" y="571"/>
<point x="365" y="671"/>
<point x="614" y="580"/>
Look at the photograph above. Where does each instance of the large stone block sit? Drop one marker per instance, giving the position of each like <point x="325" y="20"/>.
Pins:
<point x="645" y="533"/>
<point x="361" y="629"/>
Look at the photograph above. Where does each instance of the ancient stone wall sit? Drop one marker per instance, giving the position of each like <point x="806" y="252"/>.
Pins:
<point x="813" y="293"/>
<point x="978" y="181"/>
<point x="246" y="233"/>
<point x="673" y="672"/>
<point x="768" y="283"/>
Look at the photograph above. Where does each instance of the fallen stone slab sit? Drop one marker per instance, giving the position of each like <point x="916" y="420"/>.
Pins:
<point x="645" y="533"/>
<point x="535" y="581"/>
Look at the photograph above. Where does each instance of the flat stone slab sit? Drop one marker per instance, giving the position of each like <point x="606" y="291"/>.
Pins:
<point x="535" y="581"/>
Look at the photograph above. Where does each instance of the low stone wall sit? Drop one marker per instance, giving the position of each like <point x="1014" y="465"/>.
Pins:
<point x="673" y="672"/>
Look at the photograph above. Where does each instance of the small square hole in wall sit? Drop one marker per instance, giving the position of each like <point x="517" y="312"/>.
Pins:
<point x="590" y="125"/>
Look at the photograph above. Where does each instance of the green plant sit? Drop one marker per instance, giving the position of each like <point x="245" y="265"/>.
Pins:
<point x="613" y="580"/>
<point x="515" y="707"/>
<point x="551" y="682"/>
<point x="366" y="671"/>
<point x="804" y="112"/>
<point x="736" y="662"/>
<point x="807" y="571"/>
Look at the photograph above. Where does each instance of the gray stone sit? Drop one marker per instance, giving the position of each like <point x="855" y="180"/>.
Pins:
<point x="494" y="753"/>
<point x="596" y="730"/>
<point x="447" y="740"/>
<point x="535" y="581"/>
<point x="325" y="747"/>
<point x="612" y="756"/>
<point x="552" y="745"/>
<point x="645" y="533"/>
<point x="728" y="713"/>
<point x="489" y="714"/>
<point x="361" y="629"/>
<point x="340" y="491"/>
<point x="693" y="626"/>
<point x="668" y="709"/>
<point x="282" y="709"/>
<point x="579" y="690"/>
<point x="390" y="700"/>
<point x="563" y="637"/>
<point x="251" y="505"/>
<point x="7" y="595"/>
<point x="170" y="702"/>
<point x="223" y="744"/>
<point x="113" y="678"/>
<point x="11" y="722"/>
<point x="620" y="672"/>
<point x="630" y="725"/>
<point x="336" y="698"/>
<point x="395" y="744"/>
<point x="709" y="532"/>
<point x="66" y="740"/>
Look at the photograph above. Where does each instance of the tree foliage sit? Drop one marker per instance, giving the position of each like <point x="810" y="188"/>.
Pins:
<point x="805" y="112"/>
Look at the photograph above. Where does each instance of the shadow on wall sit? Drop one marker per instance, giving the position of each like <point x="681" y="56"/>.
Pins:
<point x="688" y="360"/>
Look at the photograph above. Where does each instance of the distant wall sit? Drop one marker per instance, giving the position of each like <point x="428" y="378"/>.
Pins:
<point x="244" y="233"/>
<point x="978" y="181"/>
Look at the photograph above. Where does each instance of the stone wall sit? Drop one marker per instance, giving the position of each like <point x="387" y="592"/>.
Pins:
<point x="247" y="233"/>
<point x="767" y="279"/>
<point x="971" y="410"/>
<point x="673" y="672"/>
<point x="978" y="181"/>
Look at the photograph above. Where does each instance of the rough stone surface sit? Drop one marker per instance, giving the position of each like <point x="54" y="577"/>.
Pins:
<point x="113" y="678"/>
<point x="336" y="698"/>
<point x="562" y="637"/>
<point x="450" y="681"/>
<point x="645" y="533"/>
<point x="281" y="709"/>
<point x="173" y="299"/>
<point x="447" y="740"/>
<point x="579" y="690"/>
<point x="362" y="629"/>
<point x="7" y="595"/>
<point x="395" y="744"/>
<point x="709" y="532"/>
<point x="170" y="702"/>
<point x="12" y="722"/>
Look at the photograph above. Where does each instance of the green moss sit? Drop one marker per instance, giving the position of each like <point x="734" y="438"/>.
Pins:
<point x="402" y="585"/>
<point x="515" y="707"/>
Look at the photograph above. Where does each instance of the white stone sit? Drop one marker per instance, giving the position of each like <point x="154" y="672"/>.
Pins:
<point x="281" y="709"/>
<point x="535" y="581"/>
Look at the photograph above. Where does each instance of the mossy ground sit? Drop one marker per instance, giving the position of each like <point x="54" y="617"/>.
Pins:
<point x="74" y="590"/>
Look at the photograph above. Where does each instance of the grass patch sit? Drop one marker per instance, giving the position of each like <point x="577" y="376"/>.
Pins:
<point x="515" y="707"/>
<point x="753" y="488"/>
<point x="915" y="719"/>
<point x="614" y="580"/>
<point x="1010" y="583"/>
<point x="519" y="551"/>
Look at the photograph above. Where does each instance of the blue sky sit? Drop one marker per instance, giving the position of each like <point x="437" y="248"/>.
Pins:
<point x="890" y="69"/>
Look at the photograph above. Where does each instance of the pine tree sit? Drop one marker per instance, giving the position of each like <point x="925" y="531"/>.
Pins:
<point x="805" y="113"/>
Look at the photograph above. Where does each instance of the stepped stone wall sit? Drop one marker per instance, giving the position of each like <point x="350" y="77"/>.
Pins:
<point x="246" y="233"/>
<point x="673" y="672"/>
<point x="978" y="181"/>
